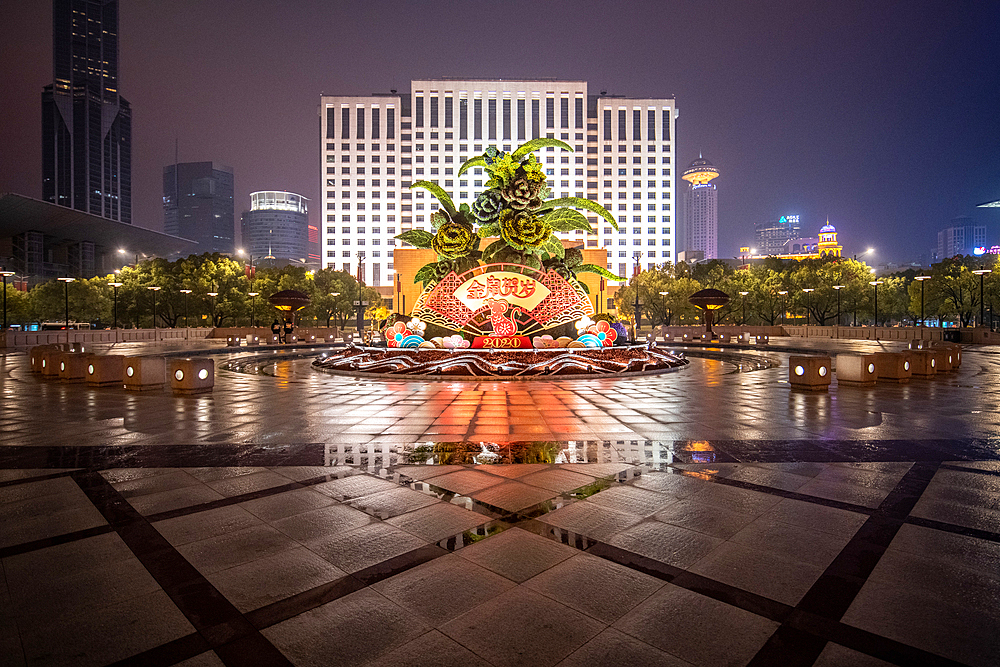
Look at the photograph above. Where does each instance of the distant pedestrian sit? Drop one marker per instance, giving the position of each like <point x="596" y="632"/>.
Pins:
<point x="276" y="329"/>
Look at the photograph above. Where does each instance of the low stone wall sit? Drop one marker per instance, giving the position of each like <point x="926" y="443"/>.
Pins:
<point x="12" y="339"/>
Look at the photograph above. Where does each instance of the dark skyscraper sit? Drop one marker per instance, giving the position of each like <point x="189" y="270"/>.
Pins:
<point x="86" y="123"/>
<point x="198" y="204"/>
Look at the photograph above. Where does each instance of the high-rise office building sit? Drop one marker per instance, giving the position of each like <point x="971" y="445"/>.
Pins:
<point x="961" y="237"/>
<point x="772" y="237"/>
<point x="374" y="147"/>
<point x="276" y="227"/>
<point x="198" y="204"/>
<point x="86" y="123"/>
<point x="701" y="209"/>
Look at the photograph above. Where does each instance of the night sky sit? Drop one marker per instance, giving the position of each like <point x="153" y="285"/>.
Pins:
<point x="884" y="116"/>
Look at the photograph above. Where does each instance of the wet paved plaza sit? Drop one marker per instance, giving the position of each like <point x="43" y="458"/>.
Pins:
<point x="705" y="516"/>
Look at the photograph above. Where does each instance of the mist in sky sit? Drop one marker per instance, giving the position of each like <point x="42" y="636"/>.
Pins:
<point x="882" y="116"/>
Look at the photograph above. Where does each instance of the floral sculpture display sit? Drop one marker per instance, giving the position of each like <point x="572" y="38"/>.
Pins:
<point x="516" y="208"/>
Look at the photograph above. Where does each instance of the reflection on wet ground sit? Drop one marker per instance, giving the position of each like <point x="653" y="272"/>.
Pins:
<point x="706" y="517"/>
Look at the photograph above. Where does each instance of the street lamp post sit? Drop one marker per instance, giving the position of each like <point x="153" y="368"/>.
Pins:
<point x="116" y="286"/>
<point x="185" y="292"/>
<point x="808" y="290"/>
<point x="783" y="293"/>
<point x="5" y="274"/>
<point x="252" y="294"/>
<point x="666" y="307"/>
<point x="875" y="284"/>
<point x="838" y="288"/>
<point x="253" y="309"/>
<point x="334" y="295"/>
<point x="154" y="289"/>
<point x="213" y="295"/>
<point x="982" y="305"/>
<point x="922" y="279"/>
<point x="744" y="295"/>
<point x="638" y="313"/>
<point x="66" y="281"/>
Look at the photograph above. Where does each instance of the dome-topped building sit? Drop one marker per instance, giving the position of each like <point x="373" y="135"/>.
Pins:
<point x="701" y="215"/>
<point x="828" y="241"/>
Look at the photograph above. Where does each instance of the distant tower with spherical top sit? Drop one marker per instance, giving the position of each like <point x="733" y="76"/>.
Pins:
<point x="701" y="217"/>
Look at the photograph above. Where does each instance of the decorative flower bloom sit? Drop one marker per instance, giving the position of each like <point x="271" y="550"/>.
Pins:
<point x="395" y="334"/>
<point x="522" y="194"/>
<point x="503" y="169"/>
<point x="533" y="171"/>
<point x="438" y="218"/>
<point x="487" y="206"/>
<point x="604" y="332"/>
<point x="521" y="229"/>
<point x="583" y="323"/>
<point x="417" y="326"/>
<point x="620" y="328"/>
<point x="454" y="240"/>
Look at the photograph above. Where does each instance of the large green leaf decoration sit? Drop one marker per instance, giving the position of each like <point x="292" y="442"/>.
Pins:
<point x="425" y="274"/>
<point x="438" y="192"/>
<point x="488" y="230"/>
<point x="535" y="144"/>
<point x="478" y="161"/>
<point x="567" y="219"/>
<point x="599" y="270"/>
<point x="579" y="202"/>
<point x="492" y="249"/>
<point x="417" y="238"/>
<point x="554" y="247"/>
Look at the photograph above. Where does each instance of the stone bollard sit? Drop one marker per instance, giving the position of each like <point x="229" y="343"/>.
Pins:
<point x="943" y="359"/>
<point x="145" y="373"/>
<point x="50" y="362"/>
<point x="857" y="369"/>
<point x="812" y="373"/>
<point x="291" y="338"/>
<point x="73" y="367"/>
<point x="105" y="370"/>
<point x="922" y="362"/>
<point x="192" y="376"/>
<point x="331" y="338"/>
<point x="77" y="347"/>
<point x="35" y="356"/>
<point x="274" y="339"/>
<point x="762" y="339"/>
<point x="252" y="341"/>
<point x="956" y="352"/>
<point x="893" y="367"/>
<point x="918" y="344"/>
<point x="233" y="341"/>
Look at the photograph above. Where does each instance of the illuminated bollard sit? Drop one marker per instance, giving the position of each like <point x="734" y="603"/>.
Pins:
<point x="291" y="338"/>
<point x="918" y="344"/>
<point x="922" y="362"/>
<point x="233" y="341"/>
<point x="252" y="341"/>
<point x="893" y="367"/>
<point x="812" y="373"/>
<point x="145" y="373"/>
<point x="956" y="352"/>
<point x="192" y="376"/>
<point x="77" y="347"/>
<point x="35" y="356"/>
<point x="275" y="339"/>
<point x="73" y="367"/>
<point x="857" y="369"/>
<point x="331" y="338"/>
<point x="762" y="339"/>
<point x="105" y="370"/>
<point x="943" y="359"/>
<point x="50" y="363"/>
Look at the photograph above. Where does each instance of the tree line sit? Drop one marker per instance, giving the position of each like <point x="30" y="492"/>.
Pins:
<point x="776" y="292"/>
<point x="333" y="294"/>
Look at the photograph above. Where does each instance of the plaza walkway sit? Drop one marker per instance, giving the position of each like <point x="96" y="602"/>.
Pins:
<point x="706" y="516"/>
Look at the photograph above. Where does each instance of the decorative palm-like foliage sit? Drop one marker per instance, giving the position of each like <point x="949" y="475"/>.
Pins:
<point x="515" y="207"/>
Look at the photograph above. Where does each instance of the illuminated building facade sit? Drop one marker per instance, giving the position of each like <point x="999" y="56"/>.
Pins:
<point x="771" y="238"/>
<point x="86" y="123"/>
<point x="276" y="227"/>
<point x="198" y="204"/>
<point x="960" y="237"/>
<point x="817" y="247"/>
<point x="374" y="147"/>
<point x="701" y="209"/>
